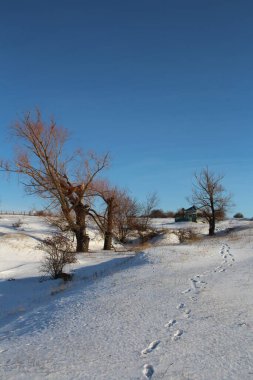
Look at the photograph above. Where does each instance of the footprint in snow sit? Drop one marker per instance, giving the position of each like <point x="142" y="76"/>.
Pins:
<point x="148" y="371"/>
<point x="222" y="270"/>
<point x="171" y="323"/>
<point x="180" y="306"/>
<point x="177" y="334"/>
<point x="151" y="347"/>
<point x="187" y="313"/>
<point x="186" y="291"/>
<point x="193" y="285"/>
<point x="201" y="282"/>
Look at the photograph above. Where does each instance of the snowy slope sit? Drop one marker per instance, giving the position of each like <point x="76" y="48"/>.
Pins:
<point x="171" y="312"/>
<point x="21" y="289"/>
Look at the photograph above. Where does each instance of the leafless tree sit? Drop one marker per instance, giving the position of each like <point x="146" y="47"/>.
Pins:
<point x="106" y="220"/>
<point x="125" y="216"/>
<point x="210" y="197"/>
<point x="146" y="208"/>
<point x="120" y="215"/>
<point x="65" y="182"/>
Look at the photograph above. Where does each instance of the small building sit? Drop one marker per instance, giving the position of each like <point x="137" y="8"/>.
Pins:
<point x="187" y="215"/>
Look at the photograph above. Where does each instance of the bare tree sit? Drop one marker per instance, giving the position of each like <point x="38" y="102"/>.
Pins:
<point x="110" y="195"/>
<point x="65" y="182"/>
<point x="210" y="197"/>
<point x="125" y="216"/>
<point x="120" y="215"/>
<point x="146" y="208"/>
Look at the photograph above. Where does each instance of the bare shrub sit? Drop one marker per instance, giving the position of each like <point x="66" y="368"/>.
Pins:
<point x="188" y="236"/>
<point x="157" y="213"/>
<point x="17" y="224"/>
<point x="42" y="213"/>
<point x="59" y="252"/>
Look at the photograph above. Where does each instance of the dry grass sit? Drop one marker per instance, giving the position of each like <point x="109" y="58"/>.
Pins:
<point x="140" y="247"/>
<point x="188" y="236"/>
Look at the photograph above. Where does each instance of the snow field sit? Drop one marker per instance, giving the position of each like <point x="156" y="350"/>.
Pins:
<point x="172" y="312"/>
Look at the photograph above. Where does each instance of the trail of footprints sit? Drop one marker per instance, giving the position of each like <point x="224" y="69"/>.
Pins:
<point x="173" y="325"/>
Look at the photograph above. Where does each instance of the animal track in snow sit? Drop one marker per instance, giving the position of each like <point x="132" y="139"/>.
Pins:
<point x="148" y="371"/>
<point x="187" y="313"/>
<point x="177" y="334"/>
<point x="186" y="291"/>
<point x="227" y="257"/>
<point x="170" y="323"/>
<point x="151" y="347"/>
<point x="180" y="306"/>
<point x="193" y="284"/>
<point x="201" y="282"/>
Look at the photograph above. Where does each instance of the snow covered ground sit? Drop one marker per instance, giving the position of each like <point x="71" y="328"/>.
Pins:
<point x="170" y="312"/>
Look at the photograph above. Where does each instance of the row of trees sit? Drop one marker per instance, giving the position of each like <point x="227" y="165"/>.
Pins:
<point x="72" y="185"/>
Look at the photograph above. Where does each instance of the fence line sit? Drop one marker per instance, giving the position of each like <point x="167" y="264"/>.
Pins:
<point x="16" y="213"/>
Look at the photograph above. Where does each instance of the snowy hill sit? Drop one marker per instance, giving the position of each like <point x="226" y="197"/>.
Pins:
<point x="170" y="312"/>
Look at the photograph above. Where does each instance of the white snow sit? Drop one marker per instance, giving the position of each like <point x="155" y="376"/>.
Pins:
<point x="120" y="316"/>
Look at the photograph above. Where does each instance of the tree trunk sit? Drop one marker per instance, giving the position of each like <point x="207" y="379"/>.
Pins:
<point x="109" y="226"/>
<point x="108" y="241"/>
<point x="212" y="226"/>
<point x="82" y="239"/>
<point x="212" y="219"/>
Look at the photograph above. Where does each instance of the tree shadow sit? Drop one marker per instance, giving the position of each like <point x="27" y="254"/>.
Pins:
<point x="28" y="304"/>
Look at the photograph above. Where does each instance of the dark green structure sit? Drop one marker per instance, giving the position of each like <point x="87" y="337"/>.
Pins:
<point x="187" y="215"/>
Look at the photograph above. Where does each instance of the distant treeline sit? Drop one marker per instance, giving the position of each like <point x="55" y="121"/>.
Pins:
<point x="29" y="213"/>
<point x="159" y="213"/>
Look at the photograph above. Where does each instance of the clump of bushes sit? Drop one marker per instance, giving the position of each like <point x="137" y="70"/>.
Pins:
<point x="188" y="236"/>
<point x="42" y="213"/>
<point x="17" y="224"/>
<point x="158" y="213"/>
<point x="59" y="252"/>
<point x="238" y="215"/>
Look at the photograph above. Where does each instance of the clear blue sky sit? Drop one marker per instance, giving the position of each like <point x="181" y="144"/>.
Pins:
<point x="164" y="86"/>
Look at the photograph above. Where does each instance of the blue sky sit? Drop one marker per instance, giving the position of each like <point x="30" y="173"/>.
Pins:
<point x="164" y="86"/>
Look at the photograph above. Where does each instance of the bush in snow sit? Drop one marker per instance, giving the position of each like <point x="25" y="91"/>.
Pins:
<point x="17" y="224"/>
<point x="238" y="215"/>
<point x="59" y="252"/>
<point x="187" y="236"/>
